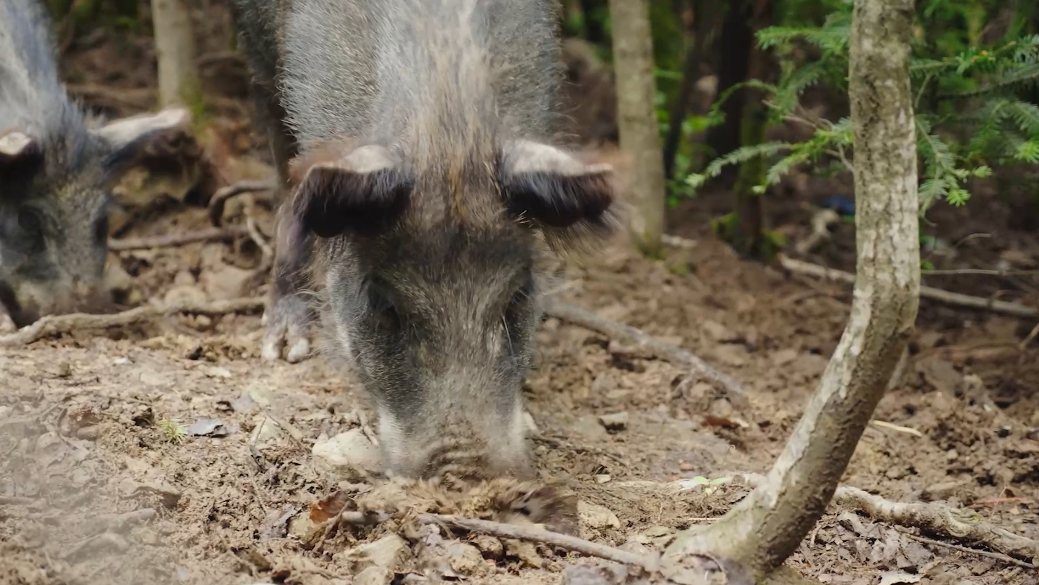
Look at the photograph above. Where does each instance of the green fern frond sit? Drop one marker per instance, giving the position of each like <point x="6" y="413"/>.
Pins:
<point x="1028" y="152"/>
<point x="738" y="156"/>
<point x="1026" y="116"/>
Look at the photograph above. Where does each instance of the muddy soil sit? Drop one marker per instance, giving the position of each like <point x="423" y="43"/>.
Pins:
<point x="98" y="485"/>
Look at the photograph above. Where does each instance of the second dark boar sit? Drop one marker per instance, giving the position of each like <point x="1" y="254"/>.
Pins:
<point x="426" y="175"/>
<point x="55" y="174"/>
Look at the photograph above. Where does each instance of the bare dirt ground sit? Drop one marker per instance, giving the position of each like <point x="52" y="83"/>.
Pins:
<point x="95" y="488"/>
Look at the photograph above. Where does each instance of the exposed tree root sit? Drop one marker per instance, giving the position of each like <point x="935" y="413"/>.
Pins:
<point x="55" y="324"/>
<point x="219" y="199"/>
<point x="169" y="240"/>
<point x="926" y="292"/>
<point x="941" y="520"/>
<point x="582" y="317"/>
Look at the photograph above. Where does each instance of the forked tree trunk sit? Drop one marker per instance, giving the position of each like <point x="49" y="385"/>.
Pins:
<point x="175" y="49"/>
<point x="766" y="527"/>
<point x="637" y="119"/>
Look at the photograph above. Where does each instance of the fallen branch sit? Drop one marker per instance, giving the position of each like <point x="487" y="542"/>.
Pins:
<point x="502" y="530"/>
<point x="169" y="240"/>
<point x="926" y="292"/>
<point x="584" y="318"/>
<point x="219" y="199"/>
<point x="973" y="551"/>
<point x="939" y="519"/>
<point x="55" y="324"/>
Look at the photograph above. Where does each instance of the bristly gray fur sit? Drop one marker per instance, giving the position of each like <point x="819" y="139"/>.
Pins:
<point x="32" y="96"/>
<point x="435" y="311"/>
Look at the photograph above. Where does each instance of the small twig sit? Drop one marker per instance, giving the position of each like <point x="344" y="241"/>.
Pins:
<point x="1028" y="339"/>
<point x="55" y="324"/>
<point x="979" y="271"/>
<point x="584" y="318"/>
<point x="973" y="551"/>
<point x="677" y="242"/>
<point x="821" y="222"/>
<point x="926" y="292"/>
<point x="897" y="428"/>
<point x="169" y="240"/>
<point x="502" y="530"/>
<point x="937" y="518"/>
<point x="219" y="199"/>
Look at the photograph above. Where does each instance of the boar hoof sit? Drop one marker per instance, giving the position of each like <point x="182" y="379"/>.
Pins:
<point x="288" y="328"/>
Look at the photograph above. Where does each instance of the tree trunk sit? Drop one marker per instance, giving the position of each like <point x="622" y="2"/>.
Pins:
<point x="767" y="526"/>
<point x="593" y="30"/>
<point x="703" y="13"/>
<point x="748" y="229"/>
<point x="175" y="49"/>
<point x="736" y="41"/>
<point x="637" y="120"/>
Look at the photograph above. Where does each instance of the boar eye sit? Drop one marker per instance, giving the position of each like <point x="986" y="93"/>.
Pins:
<point x="101" y="230"/>
<point x="30" y="228"/>
<point x="521" y="296"/>
<point x="382" y="308"/>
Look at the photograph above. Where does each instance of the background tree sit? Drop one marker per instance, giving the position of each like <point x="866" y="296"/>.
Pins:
<point x="175" y="49"/>
<point x="637" y="120"/>
<point x="767" y="526"/>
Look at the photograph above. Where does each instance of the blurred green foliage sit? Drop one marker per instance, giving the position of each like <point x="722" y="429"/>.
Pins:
<point x="975" y="71"/>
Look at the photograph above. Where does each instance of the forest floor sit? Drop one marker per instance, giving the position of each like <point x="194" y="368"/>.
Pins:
<point x="84" y="419"/>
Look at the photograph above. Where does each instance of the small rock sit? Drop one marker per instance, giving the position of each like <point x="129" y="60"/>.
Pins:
<point x="89" y="433"/>
<point x="374" y="576"/>
<point x="150" y="378"/>
<point x="116" y="279"/>
<point x="184" y="294"/>
<point x="524" y="551"/>
<point x="348" y="453"/>
<point x="388" y="553"/>
<point x="490" y="546"/>
<point x="603" y="478"/>
<point x="596" y="517"/>
<point x="184" y="278"/>
<point x="686" y="466"/>
<point x="614" y="422"/>
<point x="212" y="427"/>
<point x="216" y="372"/>
<point x="731" y="355"/>
<point x="264" y="431"/>
<point x="784" y="357"/>
<point x="718" y="332"/>
<point x="300" y="525"/>
<point x="589" y="428"/>
<point x="225" y="282"/>
<point x="944" y="490"/>
<point x="465" y="559"/>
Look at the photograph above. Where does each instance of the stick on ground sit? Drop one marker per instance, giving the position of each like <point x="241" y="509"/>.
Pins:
<point x="55" y="324"/>
<point x="584" y="318"/>
<point x="219" y="199"/>
<point x="926" y="292"/>
<point x="502" y="530"/>
<point x="169" y="240"/>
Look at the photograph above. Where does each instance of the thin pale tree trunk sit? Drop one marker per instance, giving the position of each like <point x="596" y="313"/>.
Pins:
<point x="175" y="49"/>
<point x="637" y="119"/>
<point x="766" y="527"/>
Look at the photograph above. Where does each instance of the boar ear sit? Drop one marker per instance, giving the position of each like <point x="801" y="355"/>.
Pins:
<point x="124" y="140"/>
<point x="20" y="156"/>
<point x="363" y="192"/>
<point x="553" y="190"/>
